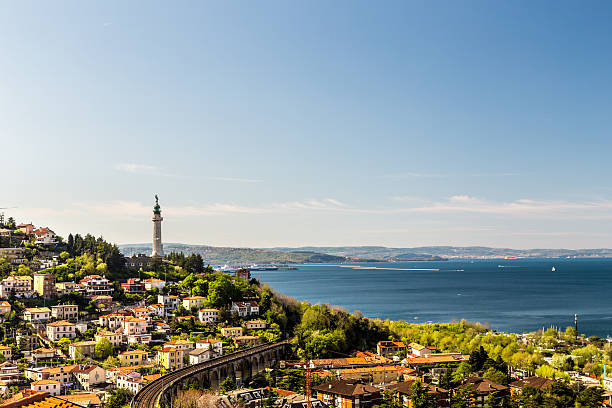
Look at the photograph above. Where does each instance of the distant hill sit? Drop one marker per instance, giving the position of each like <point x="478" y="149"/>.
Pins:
<point x="312" y="254"/>
<point x="223" y="255"/>
<point x="380" y="252"/>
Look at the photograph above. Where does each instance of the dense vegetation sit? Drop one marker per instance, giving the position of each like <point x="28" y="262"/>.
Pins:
<point x="221" y="255"/>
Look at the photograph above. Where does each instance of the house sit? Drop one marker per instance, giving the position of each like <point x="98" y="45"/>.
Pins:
<point x="133" y="358"/>
<point x="140" y="261"/>
<point x="9" y="373"/>
<point x="51" y="387"/>
<point x="133" y="285"/>
<point x="231" y="331"/>
<point x="402" y="392"/>
<point x="210" y="316"/>
<point x="20" y="286"/>
<point x="371" y="375"/>
<point x="133" y="325"/>
<point x="157" y="311"/>
<point x="15" y="256"/>
<point x="65" y="312"/>
<point x="134" y="381"/>
<point x="96" y="285"/>
<point x="87" y="376"/>
<point x="170" y="302"/>
<point x="421" y="351"/>
<point x="170" y="358"/>
<point x="387" y="348"/>
<point x="61" y="374"/>
<point x="5" y="308"/>
<point x="481" y="388"/>
<point x="153" y="283"/>
<point x="103" y="301"/>
<point x="348" y="394"/>
<point x="7" y="352"/>
<point x="142" y="313"/>
<point x="64" y="288"/>
<point x="37" y="314"/>
<point x="25" y="398"/>
<point x="201" y="355"/>
<point x="26" y="228"/>
<point x="46" y="355"/>
<point x="255" y="324"/>
<point x="245" y="340"/>
<point x="144" y="338"/>
<point x="211" y="344"/>
<point x="45" y="236"/>
<point x="61" y="329"/>
<point x="193" y="301"/>
<point x="85" y="400"/>
<point x="44" y="284"/>
<point x="113" y="321"/>
<point x="541" y="383"/>
<point x="116" y="339"/>
<point x="131" y="381"/>
<point x="185" y="345"/>
<point x="245" y="308"/>
<point x="81" y="349"/>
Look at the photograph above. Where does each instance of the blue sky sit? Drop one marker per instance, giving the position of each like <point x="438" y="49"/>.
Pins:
<point x="311" y="123"/>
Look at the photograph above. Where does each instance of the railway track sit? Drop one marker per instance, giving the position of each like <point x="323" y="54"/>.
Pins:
<point x="152" y="393"/>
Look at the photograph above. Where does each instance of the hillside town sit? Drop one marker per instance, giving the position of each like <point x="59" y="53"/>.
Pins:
<point x="84" y="326"/>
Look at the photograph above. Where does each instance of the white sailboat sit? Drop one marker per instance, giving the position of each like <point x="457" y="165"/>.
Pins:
<point x="553" y="269"/>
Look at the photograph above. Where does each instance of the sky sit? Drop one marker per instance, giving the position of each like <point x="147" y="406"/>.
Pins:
<point x="276" y="123"/>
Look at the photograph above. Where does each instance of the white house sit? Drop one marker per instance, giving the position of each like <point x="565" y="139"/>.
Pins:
<point x="61" y="329"/>
<point x="210" y="316"/>
<point x="115" y="338"/>
<point x="51" y="387"/>
<point x="134" y="325"/>
<point x="37" y="314"/>
<point x="45" y="236"/>
<point x="245" y="308"/>
<point x="200" y="355"/>
<point x="211" y="344"/>
<point x="152" y="283"/>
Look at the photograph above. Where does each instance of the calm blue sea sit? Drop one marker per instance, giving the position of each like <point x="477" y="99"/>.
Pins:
<point x="510" y="295"/>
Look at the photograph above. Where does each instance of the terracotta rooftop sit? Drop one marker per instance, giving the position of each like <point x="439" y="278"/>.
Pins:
<point x="346" y="388"/>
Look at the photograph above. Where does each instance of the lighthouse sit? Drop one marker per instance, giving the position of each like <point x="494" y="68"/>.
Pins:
<point x="158" y="248"/>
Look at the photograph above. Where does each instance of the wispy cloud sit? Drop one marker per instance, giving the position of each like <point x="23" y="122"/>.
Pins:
<point x="142" y="169"/>
<point x="235" y="179"/>
<point x="130" y="209"/>
<point x="409" y="175"/>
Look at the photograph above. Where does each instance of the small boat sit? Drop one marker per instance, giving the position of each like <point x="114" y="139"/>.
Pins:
<point x="553" y="269"/>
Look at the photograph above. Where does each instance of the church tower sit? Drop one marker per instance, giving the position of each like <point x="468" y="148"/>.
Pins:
<point x="158" y="248"/>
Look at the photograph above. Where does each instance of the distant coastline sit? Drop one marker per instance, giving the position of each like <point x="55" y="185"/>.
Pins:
<point x="346" y="254"/>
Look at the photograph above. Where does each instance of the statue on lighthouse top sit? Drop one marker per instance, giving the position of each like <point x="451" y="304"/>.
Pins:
<point x="158" y="248"/>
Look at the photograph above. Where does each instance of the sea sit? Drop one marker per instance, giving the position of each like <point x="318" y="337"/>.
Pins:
<point x="518" y="295"/>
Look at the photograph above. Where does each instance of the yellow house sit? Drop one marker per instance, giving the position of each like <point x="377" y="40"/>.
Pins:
<point x="7" y="352"/>
<point x="170" y="358"/>
<point x="231" y="331"/>
<point x="193" y="301"/>
<point x="133" y="358"/>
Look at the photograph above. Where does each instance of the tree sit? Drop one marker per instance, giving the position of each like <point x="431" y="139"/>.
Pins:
<point x="496" y="376"/>
<point x="592" y="397"/>
<point x="463" y="370"/>
<point x="103" y="348"/>
<point x="111" y="362"/>
<point x="227" y="385"/>
<point x="420" y="397"/>
<point x="462" y="398"/>
<point x="119" y="398"/>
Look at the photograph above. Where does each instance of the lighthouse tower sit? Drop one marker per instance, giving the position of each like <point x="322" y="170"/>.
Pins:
<point x="158" y="248"/>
